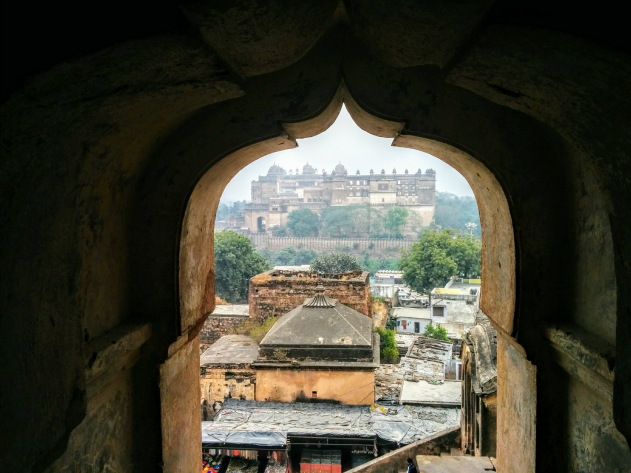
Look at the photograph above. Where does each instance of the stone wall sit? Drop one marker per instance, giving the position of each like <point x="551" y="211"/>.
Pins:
<point x="274" y="293"/>
<point x="332" y="245"/>
<point x="216" y="384"/>
<point x="216" y="326"/>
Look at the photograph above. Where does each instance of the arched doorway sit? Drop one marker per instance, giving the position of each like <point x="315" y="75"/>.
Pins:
<point x="260" y="225"/>
<point x="498" y="256"/>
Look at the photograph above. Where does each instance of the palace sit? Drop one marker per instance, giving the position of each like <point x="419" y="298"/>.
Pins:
<point x="279" y="193"/>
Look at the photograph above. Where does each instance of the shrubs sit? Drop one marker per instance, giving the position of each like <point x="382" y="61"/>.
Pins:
<point x="438" y="332"/>
<point x="335" y="263"/>
<point x="256" y="330"/>
<point x="388" y="350"/>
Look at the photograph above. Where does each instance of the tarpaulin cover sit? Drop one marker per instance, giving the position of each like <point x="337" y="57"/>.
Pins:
<point x="268" y="424"/>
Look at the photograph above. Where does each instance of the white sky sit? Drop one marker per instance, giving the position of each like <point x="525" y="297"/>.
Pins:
<point x="344" y="142"/>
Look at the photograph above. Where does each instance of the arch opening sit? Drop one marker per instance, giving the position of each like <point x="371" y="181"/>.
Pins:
<point x="196" y="272"/>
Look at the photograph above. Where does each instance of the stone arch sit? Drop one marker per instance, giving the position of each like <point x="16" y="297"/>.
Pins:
<point x="196" y="276"/>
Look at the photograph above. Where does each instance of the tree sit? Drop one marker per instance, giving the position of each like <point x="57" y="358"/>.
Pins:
<point x="439" y="332"/>
<point x="305" y="256"/>
<point x="455" y="212"/>
<point x="303" y="223"/>
<point x="279" y="231"/>
<point x="236" y="261"/>
<point x="336" y="221"/>
<point x="335" y="263"/>
<point x="347" y="221"/>
<point x="395" y="220"/>
<point x="437" y="256"/>
<point x="466" y="253"/>
<point x="285" y="257"/>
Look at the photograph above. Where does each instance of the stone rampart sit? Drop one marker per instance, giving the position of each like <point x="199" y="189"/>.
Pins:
<point x="331" y="245"/>
<point x="216" y="326"/>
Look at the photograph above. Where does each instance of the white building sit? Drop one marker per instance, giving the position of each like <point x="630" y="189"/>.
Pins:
<point x="411" y="319"/>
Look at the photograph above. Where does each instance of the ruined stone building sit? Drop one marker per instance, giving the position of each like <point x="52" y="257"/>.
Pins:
<point x="226" y="370"/>
<point x="320" y="350"/>
<point x="277" y="194"/>
<point x="119" y="136"/>
<point x="277" y="291"/>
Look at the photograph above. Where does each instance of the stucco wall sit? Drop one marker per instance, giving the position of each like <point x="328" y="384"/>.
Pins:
<point x="289" y="385"/>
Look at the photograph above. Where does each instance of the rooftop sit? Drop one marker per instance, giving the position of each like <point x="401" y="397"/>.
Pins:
<point x="256" y="423"/>
<point x="321" y="321"/>
<point x="447" y="393"/>
<point x="231" y="349"/>
<point x="411" y="312"/>
<point x="231" y="310"/>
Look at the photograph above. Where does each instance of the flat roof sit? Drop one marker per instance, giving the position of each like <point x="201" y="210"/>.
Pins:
<point x="259" y="423"/>
<point x="447" y="393"/>
<point x="411" y="312"/>
<point x="231" y="349"/>
<point x="231" y="310"/>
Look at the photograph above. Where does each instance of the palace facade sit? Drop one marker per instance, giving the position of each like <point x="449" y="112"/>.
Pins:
<point x="280" y="192"/>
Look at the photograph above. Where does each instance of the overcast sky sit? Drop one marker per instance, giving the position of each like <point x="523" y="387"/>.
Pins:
<point x="346" y="143"/>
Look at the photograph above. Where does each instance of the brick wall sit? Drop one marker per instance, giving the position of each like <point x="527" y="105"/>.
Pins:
<point x="216" y="326"/>
<point x="277" y="292"/>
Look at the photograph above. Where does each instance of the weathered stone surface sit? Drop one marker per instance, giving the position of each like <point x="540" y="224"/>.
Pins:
<point x="274" y="293"/>
<point x="114" y="162"/>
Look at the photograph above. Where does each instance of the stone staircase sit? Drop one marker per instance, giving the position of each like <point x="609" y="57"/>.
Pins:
<point x="454" y="462"/>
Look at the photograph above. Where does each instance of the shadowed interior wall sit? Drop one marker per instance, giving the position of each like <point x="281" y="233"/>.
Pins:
<point x="116" y="151"/>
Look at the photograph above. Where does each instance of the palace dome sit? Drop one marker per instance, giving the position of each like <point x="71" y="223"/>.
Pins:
<point x="276" y="170"/>
<point x="308" y="169"/>
<point x="340" y="170"/>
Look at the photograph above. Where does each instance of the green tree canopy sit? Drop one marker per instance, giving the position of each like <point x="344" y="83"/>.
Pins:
<point x="227" y="210"/>
<point x="335" y="263"/>
<point x="279" y="231"/>
<point x="438" y="332"/>
<point x="236" y="261"/>
<point x="394" y="220"/>
<point x="388" y="351"/>
<point x="437" y="256"/>
<point x="455" y="212"/>
<point x="303" y="223"/>
<point x="347" y="221"/>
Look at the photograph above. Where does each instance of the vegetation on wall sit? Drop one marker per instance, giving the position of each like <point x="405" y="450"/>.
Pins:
<point x="255" y="329"/>
<point x="335" y="263"/>
<point x="388" y="350"/>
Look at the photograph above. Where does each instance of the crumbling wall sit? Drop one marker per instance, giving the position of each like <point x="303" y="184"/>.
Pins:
<point x="218" y="383"/>
<point x="216" y="326"/>
<point x="274" y="293"/>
